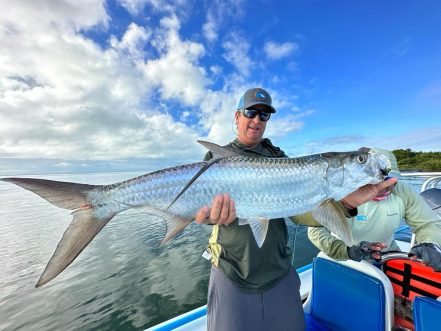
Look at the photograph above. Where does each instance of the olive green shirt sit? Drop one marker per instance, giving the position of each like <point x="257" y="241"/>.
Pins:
<point x="377" y="221"/>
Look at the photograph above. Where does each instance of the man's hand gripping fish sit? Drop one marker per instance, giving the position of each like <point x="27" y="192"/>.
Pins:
<point x="262" y="188"/>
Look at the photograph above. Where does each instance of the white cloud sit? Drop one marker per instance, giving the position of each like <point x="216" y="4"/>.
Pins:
<point x="135" y="7"/>
<point x="62" y="164"/>
<point x="63" y="96"/>
<point x="424" y="140"/>
<point x="219" y="12"/>
<point x="209" y="29"/>
<point x="133" y="41"/>
<point x="40" y="16"/>
<point x="236" y="52"/>
<point x="276" y="51"/>
<point x="277" y="128"/>
<point x="177" y="73"/>
<point x="216" y="70"/>
<point x="217" y="113"/>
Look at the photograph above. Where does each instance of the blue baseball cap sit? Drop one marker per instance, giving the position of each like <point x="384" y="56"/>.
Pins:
<point x="256" y="97"/>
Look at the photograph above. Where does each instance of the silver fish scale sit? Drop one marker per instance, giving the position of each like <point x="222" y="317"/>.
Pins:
<point x="260" y="187"/>
<point x="156" y="189"/>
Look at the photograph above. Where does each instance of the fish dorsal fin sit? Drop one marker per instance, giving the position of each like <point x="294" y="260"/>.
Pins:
<point x="218" y="151"/>
<point x="200" y="172"/>
<point x="330" y="215"/>
<point x="259" y="226"/>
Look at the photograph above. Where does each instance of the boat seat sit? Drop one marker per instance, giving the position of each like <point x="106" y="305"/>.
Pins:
<point x="426" y="314"/>
<point x="348" y="295"/>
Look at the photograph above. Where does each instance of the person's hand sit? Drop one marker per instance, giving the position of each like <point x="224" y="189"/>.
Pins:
<point x="223" y="211"/>
<point x="366" y="193"/>
<point x="366" y="251"/>
<point x="429" y="253"/>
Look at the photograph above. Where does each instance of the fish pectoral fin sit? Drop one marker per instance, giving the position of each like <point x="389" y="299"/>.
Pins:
<point x="173" y="224"/>
<point x="330" y="215"/>
<point x="218" y="151"/>
<point x="259" y="226"/>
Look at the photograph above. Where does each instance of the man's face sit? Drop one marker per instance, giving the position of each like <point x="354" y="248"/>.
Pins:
<point x="249" y="130"/>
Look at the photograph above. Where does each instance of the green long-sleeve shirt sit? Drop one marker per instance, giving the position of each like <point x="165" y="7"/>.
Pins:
<point x="377" y="221"/>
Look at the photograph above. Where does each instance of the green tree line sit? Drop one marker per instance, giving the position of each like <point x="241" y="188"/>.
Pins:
<point x="409" y="160"/>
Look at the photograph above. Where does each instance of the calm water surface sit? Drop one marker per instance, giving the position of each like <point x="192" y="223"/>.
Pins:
<point x="121" y="281"/>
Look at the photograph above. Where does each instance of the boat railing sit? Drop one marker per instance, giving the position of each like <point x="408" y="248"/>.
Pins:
<point x="432" y="181"/>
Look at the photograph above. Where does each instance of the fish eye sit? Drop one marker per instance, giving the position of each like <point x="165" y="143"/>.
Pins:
<point x="361" y="159"/>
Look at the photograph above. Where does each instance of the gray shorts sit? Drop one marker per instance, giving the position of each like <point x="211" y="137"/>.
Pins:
<point x="279" y="308"/>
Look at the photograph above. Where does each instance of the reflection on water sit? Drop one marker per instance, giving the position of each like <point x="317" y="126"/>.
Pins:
<point x="121" y="281"/>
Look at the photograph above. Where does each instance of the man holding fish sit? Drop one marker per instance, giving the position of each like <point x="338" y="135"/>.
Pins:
<point x="253" y="287"/>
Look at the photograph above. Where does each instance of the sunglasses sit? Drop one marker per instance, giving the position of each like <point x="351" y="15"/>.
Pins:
<point x="251" y="113"/>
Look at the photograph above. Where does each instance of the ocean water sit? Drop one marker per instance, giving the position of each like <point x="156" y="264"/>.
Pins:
<point x="122" y="281"/>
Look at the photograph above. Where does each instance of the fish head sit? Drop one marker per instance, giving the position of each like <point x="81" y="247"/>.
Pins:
<point x="347" y="171"/>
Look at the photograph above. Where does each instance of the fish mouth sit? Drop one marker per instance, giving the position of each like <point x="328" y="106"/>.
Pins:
<point x="381" y="175"/>
<point x="385" y="171"/>
<point x="383" y="166"/>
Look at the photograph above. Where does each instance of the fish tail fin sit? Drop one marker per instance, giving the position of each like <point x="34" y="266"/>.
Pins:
<point x="61" y="194"/>
<point x="83" y="228"/>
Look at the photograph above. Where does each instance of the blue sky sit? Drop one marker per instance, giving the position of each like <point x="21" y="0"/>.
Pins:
<point x="130" y="85"/>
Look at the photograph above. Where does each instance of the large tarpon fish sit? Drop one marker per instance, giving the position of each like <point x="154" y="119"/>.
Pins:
<point x="262" y="188"/>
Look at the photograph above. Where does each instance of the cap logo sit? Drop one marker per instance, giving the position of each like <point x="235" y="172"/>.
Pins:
<point x="260" y="95"/>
